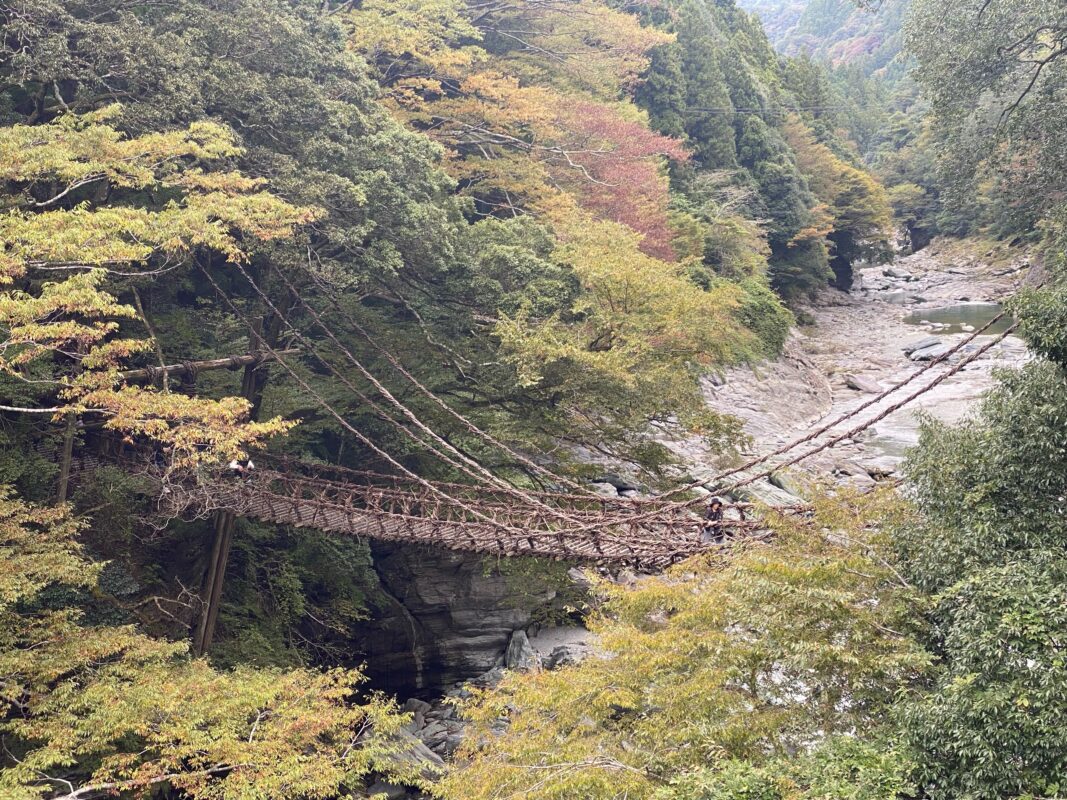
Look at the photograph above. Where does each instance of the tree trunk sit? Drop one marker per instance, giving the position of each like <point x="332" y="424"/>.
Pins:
<point x="253" y="384"/>
<point x="65" y="458"/>
<point x="213" y="582"/>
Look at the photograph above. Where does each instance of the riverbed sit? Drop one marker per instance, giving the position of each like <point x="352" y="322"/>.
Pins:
<point x="856" y="346"/>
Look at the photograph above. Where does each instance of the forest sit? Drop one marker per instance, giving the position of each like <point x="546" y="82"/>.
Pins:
<point x="456" y="268"/>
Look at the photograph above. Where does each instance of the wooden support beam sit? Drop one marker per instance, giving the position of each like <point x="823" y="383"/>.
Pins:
<point x="191" y="367"/>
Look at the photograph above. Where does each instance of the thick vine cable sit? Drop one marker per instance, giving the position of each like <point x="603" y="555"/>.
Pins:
<point x="399" y="367"/>
<point x="882" y="415"/>
<point x="810" y="436"/>
<point x="468" y="466"/>
<point x="363" y="438"/>
<point x="830" y="442"/>
<point x="695" y="484"/>
<point x="633" y="518"/>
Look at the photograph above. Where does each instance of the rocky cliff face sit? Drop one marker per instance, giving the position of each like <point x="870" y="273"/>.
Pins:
<point x="441" y="617"/>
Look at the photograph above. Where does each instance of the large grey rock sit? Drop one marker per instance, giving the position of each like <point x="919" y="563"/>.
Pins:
<point x="920" y="344"/>
<point x="619" y="482"/>
<point x="766" y="493"/>
<point x="565" y="655"/>
<point x="520" y="654"/>
<point x="862" y="384"/>
<point x="790" y="482"/>
<point x="439" y="617"/>
<point x="414" y="755"/>
<point x="580" y="579"/>
<point x="604" y="489"/>
<point x="930" y="353"/>
<point x="863" y="483"/>
<point x="881" y="467"/>
<point x="849" y="467"/>
<point x="899" y="274"/>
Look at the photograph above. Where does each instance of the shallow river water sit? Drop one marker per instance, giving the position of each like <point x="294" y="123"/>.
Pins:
<point x="960" y="318"/>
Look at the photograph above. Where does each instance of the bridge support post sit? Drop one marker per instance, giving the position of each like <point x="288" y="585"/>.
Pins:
<point x="213" y="582"/>
<point x="65" y="458"/>
<point x="253" y="383"/>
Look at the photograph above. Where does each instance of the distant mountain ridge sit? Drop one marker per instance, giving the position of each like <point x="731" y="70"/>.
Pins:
<point x="838" y="31"/>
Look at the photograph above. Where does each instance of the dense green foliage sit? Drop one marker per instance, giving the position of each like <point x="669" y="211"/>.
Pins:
<point x="721" y="88"/>
<point x="92" y="709"/>
<point x="715" y="677"/>
<point x="973" y="560"/>
<point x="524" y="287"/>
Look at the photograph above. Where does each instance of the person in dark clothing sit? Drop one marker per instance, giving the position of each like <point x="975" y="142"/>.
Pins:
<point x="711" y="528"/>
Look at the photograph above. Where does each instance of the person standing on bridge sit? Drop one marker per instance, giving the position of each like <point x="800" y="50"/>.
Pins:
<point x="241" y="468"/>
<point x="711" y="527"/>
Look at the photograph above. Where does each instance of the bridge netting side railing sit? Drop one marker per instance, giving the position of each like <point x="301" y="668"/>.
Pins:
<point x="382" y="511"/>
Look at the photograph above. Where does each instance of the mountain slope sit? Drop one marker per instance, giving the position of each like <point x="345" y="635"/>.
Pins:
<point x="836" y="30"/>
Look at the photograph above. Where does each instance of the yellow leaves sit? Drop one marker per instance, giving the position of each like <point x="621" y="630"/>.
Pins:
<point x="76" y="150"/>
<point x="784" y="644"/>
<point x="75" y="322"/>
<point x="135" y="712"/>
<point x="192" y="429"/>
<point x="426" y="31"/>
<point x="851" y="200"/>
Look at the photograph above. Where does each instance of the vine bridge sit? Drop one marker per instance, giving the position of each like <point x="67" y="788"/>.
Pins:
<point x="650" y="533"/>
<point x="494" y="517"/>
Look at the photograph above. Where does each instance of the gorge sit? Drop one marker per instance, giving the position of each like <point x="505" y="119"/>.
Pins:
<point x="540" y="399"/>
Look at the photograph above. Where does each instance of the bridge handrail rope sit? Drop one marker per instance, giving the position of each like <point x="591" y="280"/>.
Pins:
<point x="935" y="362"/>
<point x="399" y="367"/>
<point x="583" y="528"/>
<point x="468" y="465"/>
<point x="837" y="439"/>
<point x="696" y="484"/>
<point x="662" y="546"/>
<point x="363" y="438"/>
<point x="369" y="476"/>
<point x="886" y="412"/>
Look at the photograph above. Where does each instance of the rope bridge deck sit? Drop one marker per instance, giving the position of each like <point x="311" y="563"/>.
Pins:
<point x="471" y="519"/>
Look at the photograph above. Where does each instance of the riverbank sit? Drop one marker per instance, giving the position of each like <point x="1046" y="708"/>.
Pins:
<point x="856" y="345"/>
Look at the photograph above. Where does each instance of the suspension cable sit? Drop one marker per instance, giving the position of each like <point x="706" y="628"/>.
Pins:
<point x="363" y="438"/>
<point x="402" y="370"/>
<point x="468" y="466"/>
<point x="837" y="420"/>
<point x="831" y="442"/>
<point x="882" y="415"/>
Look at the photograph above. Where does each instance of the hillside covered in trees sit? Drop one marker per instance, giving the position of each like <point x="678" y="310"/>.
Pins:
<point x="868" y="35"/>
<point x="495" y="250"/>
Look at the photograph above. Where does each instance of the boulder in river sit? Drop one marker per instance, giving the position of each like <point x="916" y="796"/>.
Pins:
<point x="920" y="344"/>
<point x="520" y="654"/>
<point x="862" y="384"/>
<point x="931" y="352"/>
<point x="764" y="492"/>
<point x="790" y="482"/>
<point x="898" y="297"/>
<point x="565" y="655"/>
<point x="604" y="489"/>
<point x="620" y="483"/>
